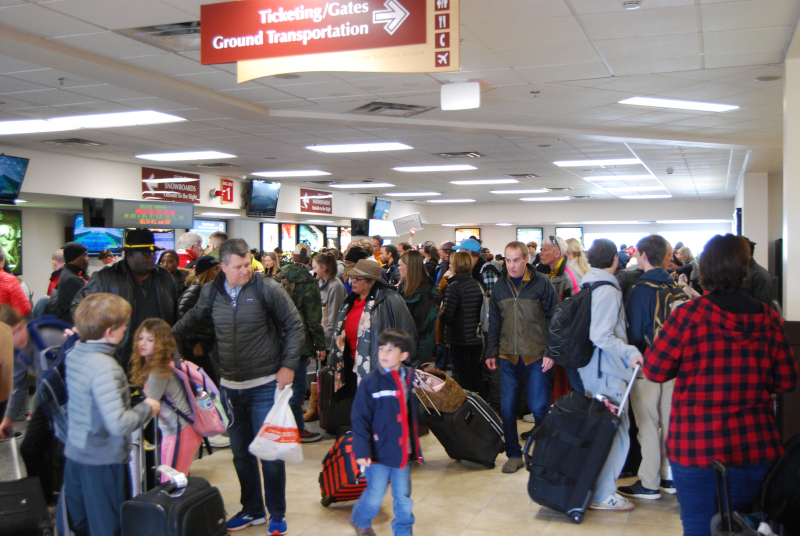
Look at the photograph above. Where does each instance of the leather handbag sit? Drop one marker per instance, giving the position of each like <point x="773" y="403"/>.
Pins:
<point x="437" y="391"/>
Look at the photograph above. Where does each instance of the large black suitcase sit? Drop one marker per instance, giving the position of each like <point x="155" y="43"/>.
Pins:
<point x="334" y="407"/>
<point x="570" y="449"/>
<point x="23" y="510"/>
<point x="196" y="510"/>
<point x="473" y="432"/>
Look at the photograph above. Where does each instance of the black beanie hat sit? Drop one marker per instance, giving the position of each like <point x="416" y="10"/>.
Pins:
<point x="73" y="250"/>
<point x="355" y="254"/>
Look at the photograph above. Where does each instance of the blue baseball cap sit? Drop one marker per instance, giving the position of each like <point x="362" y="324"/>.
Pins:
<point x="469" y="244"/>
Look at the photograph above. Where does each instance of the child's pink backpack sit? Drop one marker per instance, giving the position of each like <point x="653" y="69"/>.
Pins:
<point x="210" y="416"/>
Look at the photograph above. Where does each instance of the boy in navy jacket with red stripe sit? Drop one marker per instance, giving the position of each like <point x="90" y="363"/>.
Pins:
<point x="385" y="436"/>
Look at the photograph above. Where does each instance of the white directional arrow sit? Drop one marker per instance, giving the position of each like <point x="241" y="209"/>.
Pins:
<point x="393" y="17"/>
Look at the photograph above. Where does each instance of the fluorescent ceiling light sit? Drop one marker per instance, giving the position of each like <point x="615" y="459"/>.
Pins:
<point x="680" y="104"/>
<point x="122" y="119"/>
<point x="189" y="155"/>
<point x="364" y="185"/>
<point x="31" y="126"/>
<point x="539" y="191"/>
<point x="636" y="189"/>
<point x="565" y="198"/>
<point x="601" y="163"/>
<point x="621" y="178"/>
<point x="292" y="173"/>
<point x="359" y="147"/>
<point x="422" y="169"/>
<point x="485" y="181"/>
<point x="504" y="224"/>
<point x="323" y="196"/>
<point x="645" y="196"/>
<point x="220" y="214"/>
<point x="624" y="222"/>
<point x="19" y="201"/>
<point x="412" y="194"/>
<point x="692" y="221"/>
<point x="451" y="200"/>
<point x="319" y="221"/>
<point x="449" y="225"/>
<point x="163" y="181"/>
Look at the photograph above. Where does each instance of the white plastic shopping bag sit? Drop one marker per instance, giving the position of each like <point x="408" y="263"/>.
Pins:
<point x="278" y="438"/>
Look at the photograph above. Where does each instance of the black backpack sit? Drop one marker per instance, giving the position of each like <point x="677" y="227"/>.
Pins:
<point x="780" y="492"/>
<point x="569" y="344"/>
<point x="667" y="298"/>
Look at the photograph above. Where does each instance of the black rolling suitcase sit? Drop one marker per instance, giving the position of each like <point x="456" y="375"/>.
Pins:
<point x="570" y="449"/>
<point x="727" y="523"/>
<point x="334" y="407"/>
<point x="473" y="432"/>
<point x="23" y="511"/>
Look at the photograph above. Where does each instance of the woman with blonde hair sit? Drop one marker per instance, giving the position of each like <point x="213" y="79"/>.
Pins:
<point x="272" y="265"/>
<point x="576" y="259"/>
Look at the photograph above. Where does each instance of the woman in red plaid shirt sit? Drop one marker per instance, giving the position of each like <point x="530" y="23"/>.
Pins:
<point x="728" y="353"/>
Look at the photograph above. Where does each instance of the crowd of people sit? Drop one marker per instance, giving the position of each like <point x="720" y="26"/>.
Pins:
<point x="705" y="333"/>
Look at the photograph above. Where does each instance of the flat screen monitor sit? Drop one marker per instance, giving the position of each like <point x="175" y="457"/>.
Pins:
<point x="12" y="172"/>
<point x="463" y="233"/>
<point x="11" y="239"/>
<point x="263" y="199"/>
<point x="164" y="239"/>
<point x="381" y="211"/>
<point x="205" y="227"/>
<point x="359" y="227"/>
<point x="570" y="232"/>
<point x="332" y="237"/>
<point x="96" y="239"/>
<point x="270" y="239"/>
<point x="530" y="234"/>
<point x="313" y="236"/>
<point x="288" y="237"/>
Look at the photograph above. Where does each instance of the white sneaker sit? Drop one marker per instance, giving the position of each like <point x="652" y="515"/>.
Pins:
<point x="615" y="502"/>
<point x="529" y="418"/>
<point x="220" y="441"/>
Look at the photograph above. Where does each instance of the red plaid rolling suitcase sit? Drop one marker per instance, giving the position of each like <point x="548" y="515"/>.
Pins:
<point x="340" y="479"/>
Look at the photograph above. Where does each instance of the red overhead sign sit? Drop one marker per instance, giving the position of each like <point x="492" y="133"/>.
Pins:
<point x="226" y="187"/>
<point x="163" y="185"/>
<point x="258" y="29"/>
<point x="316" y="201"/>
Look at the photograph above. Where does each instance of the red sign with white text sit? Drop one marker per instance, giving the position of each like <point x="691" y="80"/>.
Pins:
<point x="260" y="29"/>
<point x="166" y="185"/>
<point x="227" y="191"/>
<point x="316" y="202"/>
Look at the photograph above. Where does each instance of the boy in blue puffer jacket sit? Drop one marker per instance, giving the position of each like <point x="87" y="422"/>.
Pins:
<point x="385" y="435"/>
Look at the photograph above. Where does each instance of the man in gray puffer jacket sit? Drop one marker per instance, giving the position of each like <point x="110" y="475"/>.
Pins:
<point x="259" y="334"/>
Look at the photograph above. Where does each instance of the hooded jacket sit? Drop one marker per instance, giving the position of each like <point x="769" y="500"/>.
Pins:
<point x="461" y="311"/>
<point x="384" y="417"/>
<point x="256" y="336"/>
<point x="518" y="322"/>
<point x="564" y="281"/>
<point x="332" y="294"/>
<point x="422" y="306"/>
<point x="758" y="282"/>
<point x="641" y="306"/>
<point x="205" y="330"/>
<point x="304" y="291"/>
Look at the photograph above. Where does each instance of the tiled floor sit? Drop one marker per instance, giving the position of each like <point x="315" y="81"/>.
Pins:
<point x="450" y="499"/>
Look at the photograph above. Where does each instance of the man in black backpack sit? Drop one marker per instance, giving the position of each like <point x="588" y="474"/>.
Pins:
<point x="649" y="304"/>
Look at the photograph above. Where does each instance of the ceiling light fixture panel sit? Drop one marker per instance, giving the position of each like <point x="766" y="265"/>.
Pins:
<point x="666" y="196"/>
<point x="621" y="178"/>
<point x="680" y="104"/>
<point x="113" y="120"/>
<point x="537" y="191"/>
<point x="485" y="181"/>
<point x="412" y="194"/>
<point x="636" y="189"/>
<point x="189" y="155"/>
<point x="291" y="173"/>
<point x="220" y="214"/>
<point x="564" y="198"/>
<point x="601" y="163"/>
<point x="359" y="147"/>
<point x="363" y="185"/>
<point x="425" y="169"/>
<point x="451" y="200"/>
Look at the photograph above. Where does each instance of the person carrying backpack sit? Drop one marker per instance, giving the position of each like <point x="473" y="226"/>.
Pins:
<point x="651" y="301"/>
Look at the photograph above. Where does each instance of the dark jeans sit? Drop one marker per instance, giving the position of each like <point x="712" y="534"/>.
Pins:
<point x="250" y="408"/>
<point x="94" y="495"/>
<point x="467" y="366"/>
<point x="443" y="356"/>
<point x="697" y="492"/>
<point x="575" y="381"/>
<point x="38" y="449"/>
<point x="299" y="393"/>
<point x="538" y="395"/>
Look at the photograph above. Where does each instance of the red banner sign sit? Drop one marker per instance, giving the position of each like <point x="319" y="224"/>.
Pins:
<point x="316" y="202"/>
<point x="226" y="187"/>
<point x="163" y="185"/>
<point x="258" y="29"/>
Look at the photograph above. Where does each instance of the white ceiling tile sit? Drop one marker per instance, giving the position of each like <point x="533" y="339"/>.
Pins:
<point x="555" y="54"/>
<point x="564" y="73"/>
<point x="43" y="22"/>
<point x="752" y="14"/>
<point x="478" y="60"/>
<point x="51" y="97"/>
<point x="655" y="65"/>
<point x="107" y="92"/>
<point x="12" y="65"/>
<point x="216" y="80"/>
<point x="169" y="64"/>
<point x="109" y="44"/>
<point x="585" y="7"/>
<point x="50" y="78"/>
<point x="10" y="84"/>
<point x="642" y="23"/>
<point x="529" y="33"/>
<point x="761" y="40"/>
<point x="736" y="60"/>
<point x="505" y="10"/>
<point x="489" y="79"/>
<point x="121" y="13"/>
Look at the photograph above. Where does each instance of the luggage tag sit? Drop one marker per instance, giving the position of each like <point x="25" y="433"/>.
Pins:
<point x="611" y="407"/>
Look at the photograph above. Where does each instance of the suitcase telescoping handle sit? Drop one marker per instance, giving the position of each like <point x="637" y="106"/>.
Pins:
<point x="15" y="455"/>
<point x="723" y="490"/>
<point x="627" y="394"/>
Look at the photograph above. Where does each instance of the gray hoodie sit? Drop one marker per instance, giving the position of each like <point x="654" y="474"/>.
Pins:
<point x="608" y="330"/>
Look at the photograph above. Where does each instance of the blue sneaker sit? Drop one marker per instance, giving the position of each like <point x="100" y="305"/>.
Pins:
<point x="242" y="520"/>
<point x="277" y="526"/>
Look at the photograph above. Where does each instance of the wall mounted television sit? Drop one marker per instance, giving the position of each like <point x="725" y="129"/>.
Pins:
<point x="12" y="173"/>
<point x="96" y="239"/>
<point x="530" y="234"/>
<point x="164" y="239"/>
<point x="570" y="232"/>
<point x="381" y="211"/>
<point x="262" y="201"/>
<point x="206" y="227"/>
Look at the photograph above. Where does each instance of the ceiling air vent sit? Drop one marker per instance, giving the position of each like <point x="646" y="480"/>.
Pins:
<point x="73" y="142"/>
<point x="390" y="109"/>
<point x="178" y="37"/>
<point x="215" y="165"/>
<point x="463" y="154"/>
<point x="522" y="175"/>
<point x="320" y="182"/>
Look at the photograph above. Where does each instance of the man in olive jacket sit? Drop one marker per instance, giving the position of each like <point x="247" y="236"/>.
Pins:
<point x="520" y="308"/>
<point x="259" y="335"/>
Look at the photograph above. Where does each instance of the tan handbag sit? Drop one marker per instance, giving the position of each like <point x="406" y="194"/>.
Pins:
<point x="437" y="391"/>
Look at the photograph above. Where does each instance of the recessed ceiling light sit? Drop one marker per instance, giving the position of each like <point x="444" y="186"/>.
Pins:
<point x="630" y="5"/>
<point x="565" y="198"/>
<point x="767" y="78"/>
<point x="601" y="163"/>
<point x="422" y="169"/>
<point x="449" y="225"/>
<point x="189" y="155"/>
<point x="319" y="221"/>
<point x="692" y="221"/>
<point x="537" y="191"/>
<point x="367" y="186"/>
<point x="636" y="189"/>
<point x="485" y="181"/>
<point x="451" y="200"/>
<point x="163" y="181"/>
<point x="412" y="194"/>
<point x="359" y="147"/>
<point x="679" y="104"/>
<point x="291" y="173"/>
<point x="504" y="224"/>
<point x="121" y="119"/>
<point x="607" y="222"/>
<point x="19" y="201"/>
<point x="645" y="196"/>
<point x="220" y="214"/>
<point x="620" y="178"/>
<point x="31" y="126"/>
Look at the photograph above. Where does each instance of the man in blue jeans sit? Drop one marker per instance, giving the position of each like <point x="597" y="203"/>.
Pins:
<point x="259" y="334"/>
<point x="520" y="308"/>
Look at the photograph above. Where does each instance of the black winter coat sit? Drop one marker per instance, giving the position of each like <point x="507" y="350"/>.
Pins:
<point x="69" y="284"/>
<point x="461" y="311"/>
<point x="205" y="331"/>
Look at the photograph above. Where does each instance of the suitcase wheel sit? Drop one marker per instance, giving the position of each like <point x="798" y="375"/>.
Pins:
<point x="577" y="518"/>
<point x="326" y="501"/>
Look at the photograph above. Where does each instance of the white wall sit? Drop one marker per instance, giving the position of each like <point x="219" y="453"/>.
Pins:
<point x="775" y="187"/>
<point x="753" y="198"/>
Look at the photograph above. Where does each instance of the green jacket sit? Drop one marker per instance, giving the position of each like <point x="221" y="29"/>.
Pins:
<point x="304" y="291"/>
